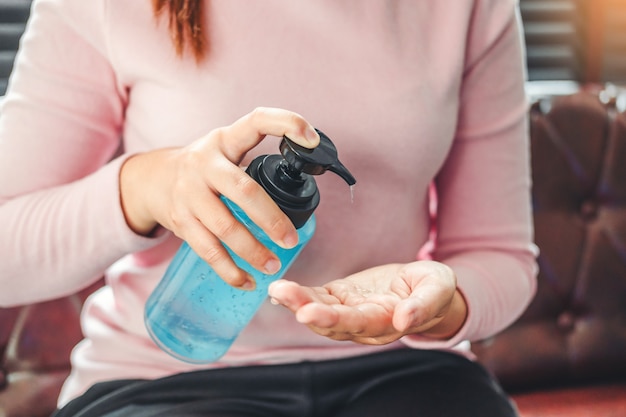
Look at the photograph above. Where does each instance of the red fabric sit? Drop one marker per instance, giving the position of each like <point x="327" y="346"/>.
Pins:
<point x="593" y="401"/>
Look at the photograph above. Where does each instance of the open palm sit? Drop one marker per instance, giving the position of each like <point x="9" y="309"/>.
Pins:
<point x="375" y="306"/>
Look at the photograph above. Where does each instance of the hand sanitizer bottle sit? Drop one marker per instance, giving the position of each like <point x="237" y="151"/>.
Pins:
<point x="193" y="314"/>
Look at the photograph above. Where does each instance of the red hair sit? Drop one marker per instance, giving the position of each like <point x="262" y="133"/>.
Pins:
<point x="186" y="24"/>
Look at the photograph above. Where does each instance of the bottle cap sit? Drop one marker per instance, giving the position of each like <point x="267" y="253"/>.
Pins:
<point x="287" y="177"/>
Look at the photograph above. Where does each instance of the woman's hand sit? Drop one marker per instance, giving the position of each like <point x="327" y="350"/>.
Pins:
<point x="180" y="189"/>
<point x="379" y="305"/>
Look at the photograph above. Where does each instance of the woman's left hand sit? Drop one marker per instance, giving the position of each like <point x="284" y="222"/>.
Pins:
<point x="379" y="305"/>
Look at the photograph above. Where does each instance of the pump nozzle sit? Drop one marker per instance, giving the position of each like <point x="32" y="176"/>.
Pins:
<point x="287" y="177"/>
<point x="315" y="161"/>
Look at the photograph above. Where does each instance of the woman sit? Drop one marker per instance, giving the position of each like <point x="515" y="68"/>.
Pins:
<point x="417" y="96"/>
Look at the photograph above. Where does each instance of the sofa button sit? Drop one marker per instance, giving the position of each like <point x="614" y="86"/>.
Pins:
<point x="589" y="210"/>
<point x="566" y="321"/>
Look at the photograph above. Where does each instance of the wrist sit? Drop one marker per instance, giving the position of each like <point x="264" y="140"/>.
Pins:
<point x="137" y="217"/>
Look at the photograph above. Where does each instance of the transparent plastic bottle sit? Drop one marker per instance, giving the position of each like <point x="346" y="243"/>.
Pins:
<point x="193" y="314"/>
<point x="202" y="326"/>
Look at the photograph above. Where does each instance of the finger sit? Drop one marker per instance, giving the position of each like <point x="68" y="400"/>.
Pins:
<point x="294" y="296"/>
<point x="365" y="320"/>
<point x="248" y="195"/>
<point x="320" y="316"/>
<point x="220" y="222"/>
<point x="332" y="323"/>
<point x="246" y="132"/>
<point x="289" y="294"/>
<point x="427" y="302"/>
<point x="432" y="285"/>
<point x="209" y="248"/>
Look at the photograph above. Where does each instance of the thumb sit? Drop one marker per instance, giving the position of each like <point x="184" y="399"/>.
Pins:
<point x="432" y="287"/>
<point x="248" y="131"/>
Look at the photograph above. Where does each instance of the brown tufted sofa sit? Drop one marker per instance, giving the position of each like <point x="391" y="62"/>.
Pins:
<point x="565" y="357"/>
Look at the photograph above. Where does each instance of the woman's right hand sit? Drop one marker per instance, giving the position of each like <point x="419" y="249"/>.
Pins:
<point x="180" y="189"/>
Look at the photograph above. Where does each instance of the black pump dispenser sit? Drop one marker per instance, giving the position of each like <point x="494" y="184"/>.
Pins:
<point x="287" y="177"/>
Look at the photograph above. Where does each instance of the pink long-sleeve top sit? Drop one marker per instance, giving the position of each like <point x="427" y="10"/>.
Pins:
<point x="410" y="91"/>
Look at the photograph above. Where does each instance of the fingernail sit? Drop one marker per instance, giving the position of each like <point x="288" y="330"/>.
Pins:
<point x="272" y="266"/>
<point x="311" y="135"/>
<point x="290" y="240"/>
<point x="249" y="284"/>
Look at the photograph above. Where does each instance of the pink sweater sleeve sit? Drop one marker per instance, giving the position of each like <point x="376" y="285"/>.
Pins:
<point x="60" y="124"/>
<point x="484" y="217"/>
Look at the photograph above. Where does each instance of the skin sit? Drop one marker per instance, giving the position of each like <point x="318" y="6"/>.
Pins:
<point x="180" y="189"/>
<point x="379" y="305"/>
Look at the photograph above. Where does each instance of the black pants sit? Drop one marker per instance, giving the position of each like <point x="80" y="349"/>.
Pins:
<point x="398" y="383"/>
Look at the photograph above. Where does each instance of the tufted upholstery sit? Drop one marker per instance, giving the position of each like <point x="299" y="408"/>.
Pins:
<point x="565" y="357"/>
<point x="574" y="333"/>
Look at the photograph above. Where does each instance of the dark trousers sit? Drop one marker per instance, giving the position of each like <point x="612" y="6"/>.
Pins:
<point x="403" y="382"/>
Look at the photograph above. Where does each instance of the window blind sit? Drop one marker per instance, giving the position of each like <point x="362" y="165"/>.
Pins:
<point x="13" y="17"/>
<point x="554" y="35"/>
